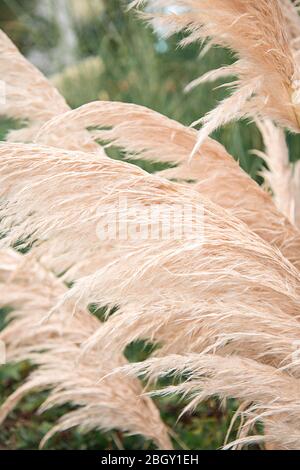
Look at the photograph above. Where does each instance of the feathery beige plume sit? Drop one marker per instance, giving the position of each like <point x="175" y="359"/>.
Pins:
<point x="257" y="32"/>
<point x="296" y="182"/>
<point x="30" y="97"/>
<point x="231" y="266"/>
<point x="290" y="10"/>
<point x="146" y="134"/>
<point x="222" y="306"/>
<point x="230" y="293"/>
<point x="279" y="177"/>
<point x="55" y="347"/>
<point x="273" y="396"/>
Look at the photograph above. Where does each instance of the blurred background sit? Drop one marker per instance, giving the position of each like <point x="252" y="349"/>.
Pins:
<point x="96" y="50"/>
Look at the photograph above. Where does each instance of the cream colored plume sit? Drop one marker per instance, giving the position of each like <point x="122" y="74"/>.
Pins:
<point x="222" y="306"/>
<point x="54" y="346"/>
<point x="296" y="174"/>
<point x="272" y="396"/>
<point x="146" y="134"/>
<point x="229" y="293"/>
<point x="231" y="265"/>
<point x="290" y="10"/>
<point x="257" y="32"/>
<point x="279" y="177"/>
<point x="30" y="97"/>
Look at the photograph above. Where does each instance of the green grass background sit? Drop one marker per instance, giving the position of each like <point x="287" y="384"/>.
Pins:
<point x="138" y="67"/>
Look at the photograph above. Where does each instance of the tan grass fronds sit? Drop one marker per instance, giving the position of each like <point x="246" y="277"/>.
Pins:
<point x="278" y="177"/>
<point x="55" y="347"/>
<point x="257" y="32"/>
<point x="226" y="276"/>
<point x="29" y="95"/>
<point x="297" y="191"/>
<point x="212" y="76"/>
<point x="72" y="185"/>
<point x="290" y="10"/>
<point x="264" y="332"/>
<point x="143" y="133"/>
<point x="273" y="395"/>
<point x="222" y="306"/>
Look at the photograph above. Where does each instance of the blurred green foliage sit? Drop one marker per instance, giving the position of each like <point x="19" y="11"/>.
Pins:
<point x="134" y="65"/>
